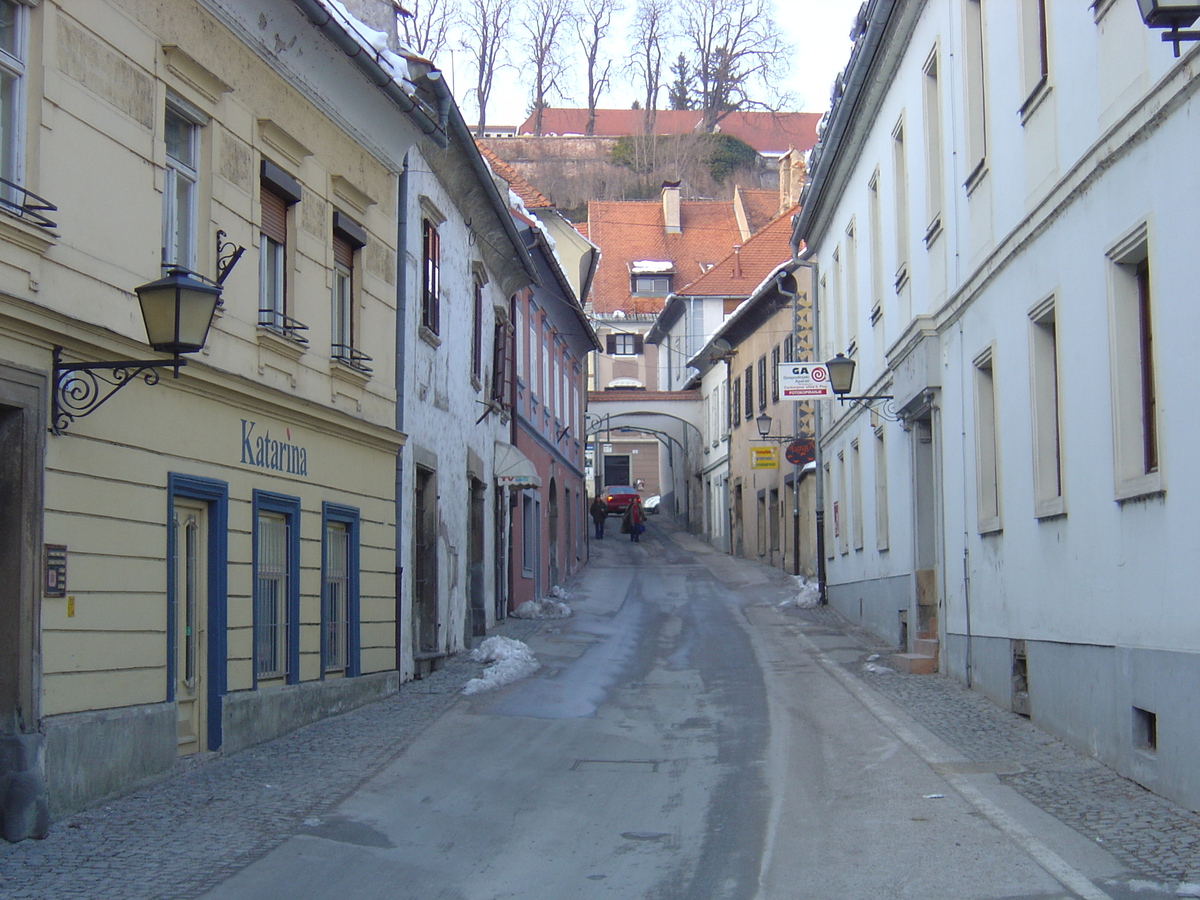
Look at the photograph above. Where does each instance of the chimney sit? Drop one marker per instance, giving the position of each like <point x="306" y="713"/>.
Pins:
<point x="737" y="260"/>
<point x="670" y="202"/>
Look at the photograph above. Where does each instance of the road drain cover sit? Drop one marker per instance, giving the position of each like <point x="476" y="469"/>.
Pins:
<point x="616" y="765"/>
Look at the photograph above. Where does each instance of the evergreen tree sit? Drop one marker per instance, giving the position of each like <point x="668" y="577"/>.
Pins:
<point x="680" y="96"/>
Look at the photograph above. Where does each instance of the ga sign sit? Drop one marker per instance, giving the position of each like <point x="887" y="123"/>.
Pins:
<point x="804" y="381"/>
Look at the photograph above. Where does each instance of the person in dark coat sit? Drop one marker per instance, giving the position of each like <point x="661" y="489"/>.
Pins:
<point x="634" y="521"/>
<point x="599" y="511"/>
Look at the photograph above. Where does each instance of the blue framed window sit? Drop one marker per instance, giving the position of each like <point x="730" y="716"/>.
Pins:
<point x="339" y="590"/>
<point x="276" y="587"/>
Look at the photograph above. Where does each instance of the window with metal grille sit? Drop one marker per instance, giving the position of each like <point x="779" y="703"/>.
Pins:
<point x="335" y="596"/>
<point x="271" y="583"/>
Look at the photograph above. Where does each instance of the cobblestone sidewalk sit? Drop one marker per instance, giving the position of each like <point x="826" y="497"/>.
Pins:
<point x="1149" y="834"/>
<point x="208" y="820"/>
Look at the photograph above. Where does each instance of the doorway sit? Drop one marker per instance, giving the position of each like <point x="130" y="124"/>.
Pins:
<point x="926" y="527"/>
<point x="617" y="470"/>
<point x="425" y="563"/>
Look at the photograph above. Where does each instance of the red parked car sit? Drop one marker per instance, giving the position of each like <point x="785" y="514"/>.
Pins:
<point x="618" y="497"/>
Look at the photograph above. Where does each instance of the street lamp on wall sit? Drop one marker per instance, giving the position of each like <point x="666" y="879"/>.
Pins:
<point x="841" y="379"/>
<point x="1171" y="14"/>
<point x="177" y="310"/>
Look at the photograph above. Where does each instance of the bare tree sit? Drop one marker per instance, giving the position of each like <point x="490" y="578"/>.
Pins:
<point x="485" y="30"/>
<point x="650" y="35"/>
<point x="545" y="26"/>
<point x="595" y="18"/>
<point x="425" y="25"/>
<point x="738" y="49"/>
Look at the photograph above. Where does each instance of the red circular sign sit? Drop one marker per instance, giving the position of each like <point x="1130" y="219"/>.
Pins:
<point x="819" y="373"/>
<point x="801" y="452"/>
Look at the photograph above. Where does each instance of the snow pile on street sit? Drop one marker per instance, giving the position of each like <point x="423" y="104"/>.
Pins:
<point x="511" y="661"/>
<point x="551" y="607"/>
<point x="875" y="668"/>
<point x="808" y="594"/>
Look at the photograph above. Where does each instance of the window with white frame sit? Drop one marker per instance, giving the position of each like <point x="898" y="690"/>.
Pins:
<point x="348" y="238"/>
<point x="1131" y="342"/>
<point x="830" y="520"/>
<point x="278" y="191"/>
<point x="973" y="89"/>
<point x="875" y="247"/>
<point x="1033" y="49"/>
<point x="624" y="344"/>
<point x="276" y="586"/>
<point x="881" y="491"/>
<point x="856" y="500"/>
<point x="900" y="180"/>
<point x="1044" y="403"/>
<point x="987" y="454"/>
<point x="182" y="137"/>
<point x="431" y="276"/>
<point x="836" y="301"/>
<point x="477" y="328"/>
<point x="851" y="287"/>
<point x="14" y="19"/>
<point x="932" y="118"/>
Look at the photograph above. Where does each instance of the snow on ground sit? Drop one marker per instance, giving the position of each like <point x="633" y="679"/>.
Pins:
<point x="551" y="607"/>
<point x="511" y="661"/>
<point x="808" y="594"/>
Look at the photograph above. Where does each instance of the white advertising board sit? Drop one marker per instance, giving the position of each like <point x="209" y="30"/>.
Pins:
<point x="804" y="381"/>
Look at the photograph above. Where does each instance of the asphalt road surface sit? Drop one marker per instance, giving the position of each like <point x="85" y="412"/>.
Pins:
<point x="684" y="738"/>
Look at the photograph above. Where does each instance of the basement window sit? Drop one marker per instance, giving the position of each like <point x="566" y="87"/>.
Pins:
<point x="1145" y="730"/>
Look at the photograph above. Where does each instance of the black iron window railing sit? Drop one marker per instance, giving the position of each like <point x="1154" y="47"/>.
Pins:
<point x="281" y="324"/>
<point x="355" y="359"/>
<point x="25" y="204"/>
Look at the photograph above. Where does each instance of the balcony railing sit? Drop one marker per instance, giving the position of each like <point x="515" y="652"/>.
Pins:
<point x="25" y="204"/>
<point x="355" y="359"/>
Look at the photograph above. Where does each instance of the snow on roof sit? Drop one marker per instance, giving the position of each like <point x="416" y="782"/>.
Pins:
<point x="377" y="41"/>
<point x="651" y="266"/>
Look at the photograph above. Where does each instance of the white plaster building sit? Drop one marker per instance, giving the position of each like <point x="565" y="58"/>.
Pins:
<point x="1004" y="239"/>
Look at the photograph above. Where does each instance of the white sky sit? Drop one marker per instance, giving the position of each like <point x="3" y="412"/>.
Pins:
<point x="819" y="29"/>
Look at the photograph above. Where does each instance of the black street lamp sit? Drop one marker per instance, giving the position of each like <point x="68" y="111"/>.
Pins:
<point x="1171" y="14"/>
<point x="177" y="310"/>
<point x="841" y="379"/>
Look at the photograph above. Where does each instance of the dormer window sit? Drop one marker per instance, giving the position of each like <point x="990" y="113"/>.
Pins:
<point x="651" y="276"/>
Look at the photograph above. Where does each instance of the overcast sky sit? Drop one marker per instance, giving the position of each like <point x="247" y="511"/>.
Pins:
<point x="819" y="29"/>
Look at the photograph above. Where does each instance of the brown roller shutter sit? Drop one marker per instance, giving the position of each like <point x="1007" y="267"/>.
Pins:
<point x="274" y="215"/>
<point x="343" y="253"/>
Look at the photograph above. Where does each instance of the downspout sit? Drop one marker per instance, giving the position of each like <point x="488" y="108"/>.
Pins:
<point x="962" y="416"/>
<point x="793" y="301"/>
<point x="401" y="362"/>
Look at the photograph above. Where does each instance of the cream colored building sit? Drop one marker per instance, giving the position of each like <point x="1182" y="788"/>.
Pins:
<point x="210" y="561"/>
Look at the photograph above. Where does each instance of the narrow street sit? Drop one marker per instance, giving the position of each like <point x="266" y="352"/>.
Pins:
<point x="685" y="737"/>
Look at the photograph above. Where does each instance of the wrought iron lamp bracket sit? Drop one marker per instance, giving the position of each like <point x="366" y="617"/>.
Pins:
<point x="82" y="388"/>
<point x="886" y="408"/>
<point x="228" y="253"/>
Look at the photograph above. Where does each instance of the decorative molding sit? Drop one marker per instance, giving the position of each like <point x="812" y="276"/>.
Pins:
<point x="184" y="67"/>
<point x="279" y="140"/>
<point x="347" y="191"/>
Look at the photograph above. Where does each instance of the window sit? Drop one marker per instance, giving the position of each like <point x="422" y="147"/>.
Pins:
<point x="348" y="237"/>
<point x="623" y="344"/>
<point x="1035" y="59"/>
<point x="477" y="331"/>
<point x="775" y="374"/>
<point x="875" y="239"/>
<point x="431" y="277"/>
<point x="276" y="586"/>
<point x="500" y="362"/>
<point x="900" y="178"/>
<point x="13" y="26"/>
<point x="179" y="189"/>
<point x="651" y="284"/>
<point x="749" y="386"/>
<point x="851" y="287"/>
<point x="278" y="191"/>
<point x="856" y="504"/>
<point x="789" y="354"/>
<point x="1043" y="383"/>
<point x="933" y="149"/>
<point x="881" y="492"/>
<point x="1131" y="340"/>
<point x="973" y="90"/>
<point x="987" y="465"/>
<point x="836" y="301"/>
<point x="762" y="383"/>
<point x="735" y="403"/>
<point x="339" y="590"/>
<point x="839" y="510"/>
<point x="830" y="520"/>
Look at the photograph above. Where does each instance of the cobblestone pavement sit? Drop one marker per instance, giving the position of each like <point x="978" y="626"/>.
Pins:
<point x="211" y="818"/>
<point x="1150" y="835"/>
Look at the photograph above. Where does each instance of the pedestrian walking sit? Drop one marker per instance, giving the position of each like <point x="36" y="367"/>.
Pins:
<point x="599" y="511"/>
<point x="634" y="521"/>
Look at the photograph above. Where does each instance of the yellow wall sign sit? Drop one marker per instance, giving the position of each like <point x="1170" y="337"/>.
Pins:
<point x="764" y="457"/>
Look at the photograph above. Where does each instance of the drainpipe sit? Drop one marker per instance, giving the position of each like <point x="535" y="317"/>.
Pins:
<point x="401" y="362"/>
<point x="793" y="301"/>
<point x="819" y="486"/>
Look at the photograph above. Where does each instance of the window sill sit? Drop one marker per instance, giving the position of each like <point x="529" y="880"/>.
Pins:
<point x="476" y="383"/>
<point x="976" y="177"/>
<point x="1145" y="487"/>
<point x="281" y="343"/>
<point x="990" y="527"/>
<point x="1051" y="508"/>
<point x="429" y="336"/>
<point x="344" y="371"/>
<point x="15" y="230"/>
<point x="1034" y="101"/>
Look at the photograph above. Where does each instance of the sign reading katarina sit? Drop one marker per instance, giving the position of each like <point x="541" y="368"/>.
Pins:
<point x="266" y="452"/>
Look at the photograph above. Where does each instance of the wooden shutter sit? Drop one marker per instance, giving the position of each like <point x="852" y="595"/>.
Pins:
<point x="343" y="252"/>
<point x="610" y="344"/>
<point x="274" y="215"/>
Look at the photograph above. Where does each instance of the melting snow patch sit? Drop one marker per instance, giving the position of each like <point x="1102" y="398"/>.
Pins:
<point x="1138" y="885"/>
<point x="511" y="661"/>
<point x="876" y="669"/>
<point x="808" y="594"/>
<point x="546" y="608"/>
<point x="1188" y="890"/>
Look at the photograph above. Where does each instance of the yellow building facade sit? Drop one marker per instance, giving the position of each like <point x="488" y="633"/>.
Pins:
<point x="209" y="561"/>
